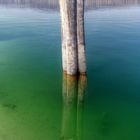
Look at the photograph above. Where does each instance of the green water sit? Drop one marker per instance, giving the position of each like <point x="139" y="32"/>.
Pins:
<point x="33" y="105"/>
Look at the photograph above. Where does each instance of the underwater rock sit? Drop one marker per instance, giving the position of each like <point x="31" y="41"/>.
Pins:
<point x="10" y="106"/>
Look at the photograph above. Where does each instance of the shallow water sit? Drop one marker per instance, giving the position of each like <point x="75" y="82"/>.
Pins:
<point x="36" y="102"/>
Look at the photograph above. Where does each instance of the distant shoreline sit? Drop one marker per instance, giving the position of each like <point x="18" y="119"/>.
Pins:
<point x="54" y="4"/>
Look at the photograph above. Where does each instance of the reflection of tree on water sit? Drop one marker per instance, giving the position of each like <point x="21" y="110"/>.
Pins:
<point x="73" y="101"/>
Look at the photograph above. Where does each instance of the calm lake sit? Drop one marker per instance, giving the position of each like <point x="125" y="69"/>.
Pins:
<point x="33" y="104"/>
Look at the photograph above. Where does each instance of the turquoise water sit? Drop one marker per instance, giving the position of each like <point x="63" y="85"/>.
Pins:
<point x="36" y="102"/>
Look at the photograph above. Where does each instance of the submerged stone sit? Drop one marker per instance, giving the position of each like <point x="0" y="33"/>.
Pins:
<point x="10" y="106"/>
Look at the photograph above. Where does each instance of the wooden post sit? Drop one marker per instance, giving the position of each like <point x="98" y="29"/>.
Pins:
<point x="74" y="88"/>
<point x="63" y="37"/>
<point x="82" y="84"/>
<point x="81" y="37"/>
<point x="70" y="85"/>
<point x="73" y="38"/>
<point x="69" y="36"/>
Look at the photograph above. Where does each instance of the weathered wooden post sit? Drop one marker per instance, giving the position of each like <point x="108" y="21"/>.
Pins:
<point x="63" y="37"/>
<point x="69" y="115"/>
<point x="74" y="88"/>
<point x="69" y="36"/>
<point x="82" y="84"/>
<point x="73" y="39"/>
<point x="81" y="37"/>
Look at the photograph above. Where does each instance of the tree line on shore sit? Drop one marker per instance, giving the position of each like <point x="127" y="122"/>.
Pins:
<point x="54" y="4"/>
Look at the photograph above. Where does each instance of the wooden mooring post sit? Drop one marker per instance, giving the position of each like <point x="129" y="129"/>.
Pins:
<point x="74" y="90"/>
<point x="73" y="37"/>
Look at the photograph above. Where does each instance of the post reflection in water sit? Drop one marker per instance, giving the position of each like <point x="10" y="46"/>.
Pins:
<point x="74" y="89"/>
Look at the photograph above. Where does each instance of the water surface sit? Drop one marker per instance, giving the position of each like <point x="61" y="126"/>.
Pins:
<point x="34" y="102"/>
